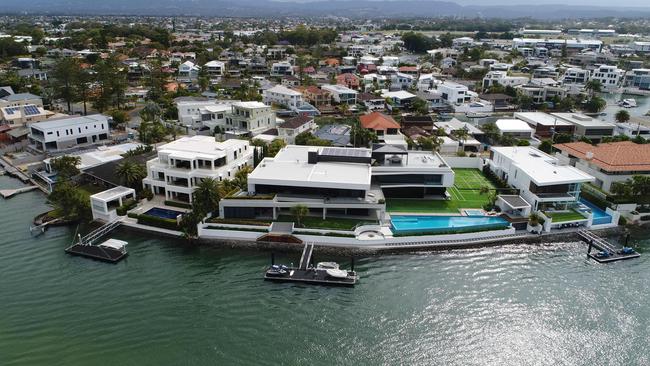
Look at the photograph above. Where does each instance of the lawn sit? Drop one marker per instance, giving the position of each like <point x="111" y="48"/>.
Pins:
<point x="564" y="216"/>
<point x="329" y="223"/>
<point x="464" y="194"/>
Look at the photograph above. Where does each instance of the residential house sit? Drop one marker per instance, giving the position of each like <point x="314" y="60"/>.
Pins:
<point x="289" y="129"/>
<point x="371" y="101"/>
<point x="187" y="72"/>
<point x="502" y="78"/>
<point x="349" y="80"/>
<point x="585" y="126"/>
<point x="317" y="96"/>
<point x="181" y="165"/>
<point x="250" y="118"/>
<point x="22" y="115"/>
<point x="609" y="163"/>
<point x="610" y="77"/>
<point x="330" y="181"/>
<point x="63" y="133"/>
<point x="545" y="125"/>
<point x="401" y="81"/>
<point x="386" y="128"/>
<point x="399" y="99"/>
<point x="540" y="179"/>
<point x="341" y="94"/>
<point x="281" y="68"/>
<point x="283" y="96"/>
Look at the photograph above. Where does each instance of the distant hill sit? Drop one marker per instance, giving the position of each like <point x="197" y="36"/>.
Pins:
<point x="266" y="8"/>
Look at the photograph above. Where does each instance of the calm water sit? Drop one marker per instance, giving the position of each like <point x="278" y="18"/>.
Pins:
<point x="172" y="305"/>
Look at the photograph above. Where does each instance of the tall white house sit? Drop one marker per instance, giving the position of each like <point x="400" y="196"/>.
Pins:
<point x="539" y="177"/>
<point x="208" y="113"/>
<point x="250" y="118"/>
<point x="610" y="77"/>
<point x="281" y="95"/>
<point x="182" y="164"/>
<point x="64" y="133"/>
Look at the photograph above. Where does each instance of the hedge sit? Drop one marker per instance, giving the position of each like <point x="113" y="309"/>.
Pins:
<point x="168" y="224"/>
<point x="213" y="227"/>
<point x="217" y="220"/>
<point x="340" y="235"/>
<point x="254" y="197"/>
<point x="126" y="206"/>
<point x="178" y="204"/>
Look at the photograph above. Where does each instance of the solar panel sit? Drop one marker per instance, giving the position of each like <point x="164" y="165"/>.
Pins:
<point x="11" y="110"/>
<point x="31" y="110"/>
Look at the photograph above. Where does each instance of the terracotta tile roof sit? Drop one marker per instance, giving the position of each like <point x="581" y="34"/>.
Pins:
<point x="378" y="121"/>
<point x="612" y="157"/>
<point x="408" y="69"/>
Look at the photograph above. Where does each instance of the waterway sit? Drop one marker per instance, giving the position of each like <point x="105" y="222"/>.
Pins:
<point x="170" y="304"/>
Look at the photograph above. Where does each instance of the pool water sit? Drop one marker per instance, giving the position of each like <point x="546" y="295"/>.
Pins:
<point x="163" y="213"/>
<point x="600" y="217"/>
<point x="473" y="212"/>
<point x="405" y="224"/>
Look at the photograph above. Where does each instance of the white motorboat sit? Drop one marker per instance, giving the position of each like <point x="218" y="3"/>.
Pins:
<point x="336" y="273"/>
<point x="627" y="103"/>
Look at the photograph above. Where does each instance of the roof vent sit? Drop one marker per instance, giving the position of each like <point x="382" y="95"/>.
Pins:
<point x="589" y="155"/>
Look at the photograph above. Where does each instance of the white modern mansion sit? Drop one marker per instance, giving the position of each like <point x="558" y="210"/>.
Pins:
<point x="539" y="177"/>
<point x="63" y="133"/>
<point x="338" y="181"/>
<point x="182" y="164"/>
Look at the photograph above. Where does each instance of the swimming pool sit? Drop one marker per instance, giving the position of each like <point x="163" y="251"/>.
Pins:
<point x="474" y="212"/>
<point x="163" y="213"/>
<point x="413" y="224"/>
<point x="600" y="217"/>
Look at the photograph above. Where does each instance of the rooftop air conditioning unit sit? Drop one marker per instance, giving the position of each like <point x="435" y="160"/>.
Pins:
<point x="589" y="155"/>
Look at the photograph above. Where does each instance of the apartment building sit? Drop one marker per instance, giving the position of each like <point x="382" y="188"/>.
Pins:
<point x="283" y="96"/>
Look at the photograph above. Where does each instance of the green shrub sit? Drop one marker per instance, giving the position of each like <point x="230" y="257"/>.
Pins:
<point x="178" y="204"/>
<point x="622" y="221"/>
<point x="126" y="205"/>
<point x="168" y="224"/>
<point x="133" y="215"/>
<point x="340" y="235"/>
<point x="213" y="227"/>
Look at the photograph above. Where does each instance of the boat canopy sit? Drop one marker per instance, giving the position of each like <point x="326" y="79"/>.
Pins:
<point x="114" y="243"/>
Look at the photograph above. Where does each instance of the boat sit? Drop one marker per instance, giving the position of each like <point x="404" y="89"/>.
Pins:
<point x="277" y="270"/>
<point x="627" y="103"/>
<point x="476" y="115"/>
<point x="336" y="273"/>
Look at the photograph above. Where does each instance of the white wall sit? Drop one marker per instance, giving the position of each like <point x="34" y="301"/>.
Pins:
<point x="464" y="162"/>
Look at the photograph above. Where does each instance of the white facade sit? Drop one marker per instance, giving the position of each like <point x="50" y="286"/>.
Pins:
<point x="610" y="77"/>
<point x="575" y="75"/>
<point x="215" y="69"/>
<point x="208" y="113"/>
<point x="541" y="181"/>
<point x="104" y="204"/>
<point x="187" y="72"/>
<point x="502" y="78"/>
<point x="182" y="164"/>
<point x="341" y="94"/>
<point x="250" y="118"/>
<point x="281" y="68"/>
<point x="68" y="132"/>
<point x="281" y="95"/>
<point x="454" y="93"/>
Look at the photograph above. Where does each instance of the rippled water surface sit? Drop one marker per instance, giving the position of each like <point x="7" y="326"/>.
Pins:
<point x="168" y="304"/>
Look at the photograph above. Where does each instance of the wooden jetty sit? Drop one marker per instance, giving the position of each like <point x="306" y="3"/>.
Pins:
<point x="324" y="274"/>
<point x="111" y="250"/>
<point x="607" y="252"/>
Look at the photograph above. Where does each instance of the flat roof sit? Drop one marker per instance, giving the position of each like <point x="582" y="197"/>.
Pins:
<point x="513" y="125"/>
<point x="456" y="124"/>
<point x="290" y="167"/>
<point x="70" y="121"/>
<point x="541" y="118"/>
<point x="580" y="119"/>
<point x="514" y="201"/>
<point x="200" y="146"/>
<point x="113" y="193"/>
<point x="611" y="157"/>
<point x="252" y="104"/>
<point x="541" y="167"/>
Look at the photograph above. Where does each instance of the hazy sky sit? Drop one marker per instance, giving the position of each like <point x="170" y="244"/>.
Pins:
<point x="606" y="3"/>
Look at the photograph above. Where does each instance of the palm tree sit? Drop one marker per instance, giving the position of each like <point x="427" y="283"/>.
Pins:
<point x="484" y="190"/>
<point x="622" y="116"/>
<point x="241" y="177"/>
<point x="130" y="173"/>
<point x="436" y="143"/>
<point x="299" y="212"/>
<point x="593" y="87"/>
<point x="206" y="196"/>
<point x="461" y="134"/>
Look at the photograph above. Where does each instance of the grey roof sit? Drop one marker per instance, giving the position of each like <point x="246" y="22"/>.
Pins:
<point x="388" y="149"/>
<point x="20" y="96"/>
<point x="338" y="134"/>
<point x="5" y="90"/>
<point x="514" y="201"/>
<point x="68" y="121"/>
